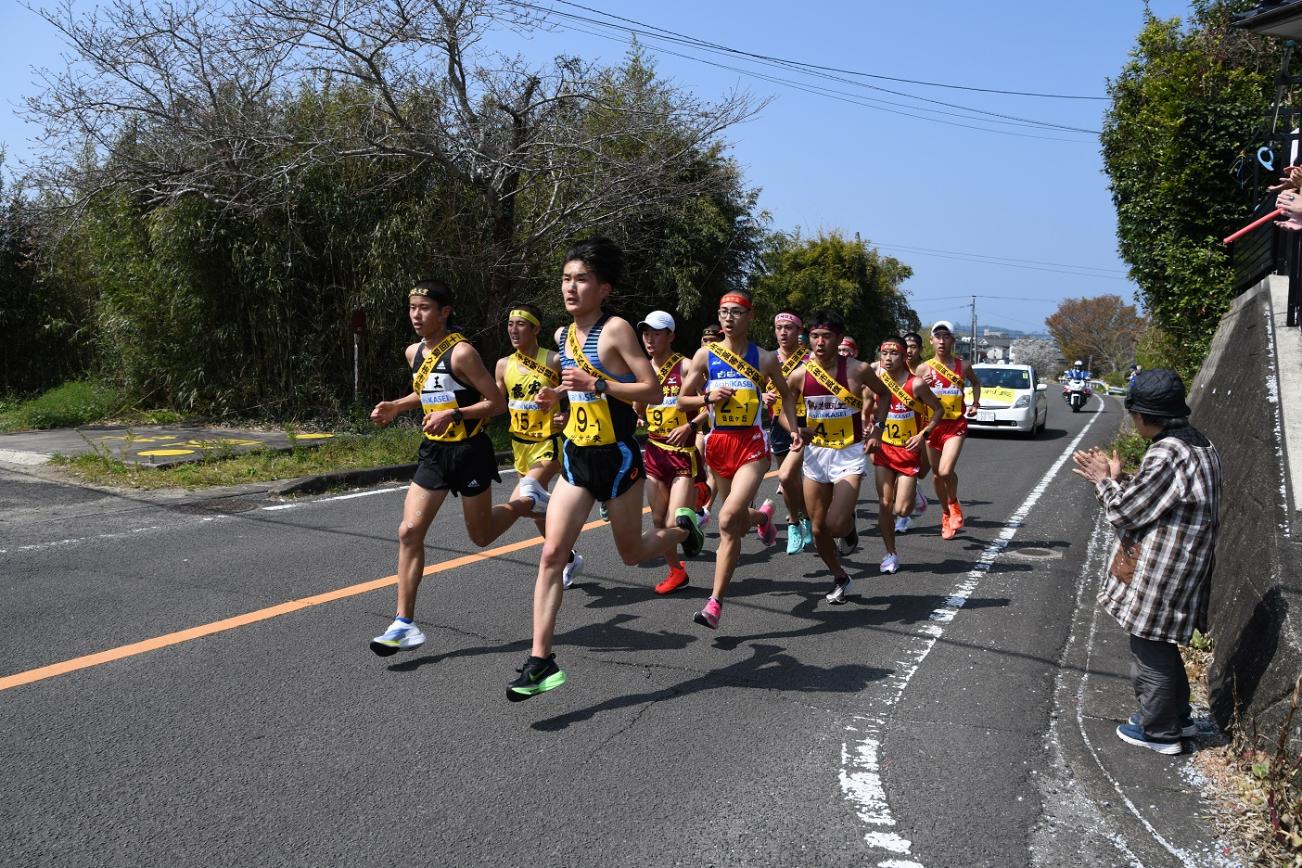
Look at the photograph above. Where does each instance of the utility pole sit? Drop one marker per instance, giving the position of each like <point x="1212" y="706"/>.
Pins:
<point x="972" y="355"/>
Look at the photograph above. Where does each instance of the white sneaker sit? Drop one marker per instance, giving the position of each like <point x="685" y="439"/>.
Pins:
<point x="531" y="489"/>
<point x="890" y="564"/>
<point x="572" y="569"/>
<point x="919" y="503"/>
<point x="399" y="637"/>
<point x="704" y="513"/>
<point x="849" y="544"/>
<point x="902" y="524"/>
<point x="840" y="591"/>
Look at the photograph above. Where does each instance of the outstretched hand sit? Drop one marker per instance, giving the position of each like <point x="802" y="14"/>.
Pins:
<point x="1096" y="465"/>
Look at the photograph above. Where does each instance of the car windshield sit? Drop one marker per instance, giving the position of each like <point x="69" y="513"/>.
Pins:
<point x="1004" y="378"/>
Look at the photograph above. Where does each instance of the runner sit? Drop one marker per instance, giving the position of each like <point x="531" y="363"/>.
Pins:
<point x="849" y="348"/>
<point x="787" y="328"/>
<point x="673" y="466"/>
<point x="457" y="394"/>
<point x="710" y="334"/>
<point x="833" y="467"/>
<point x="944" y="374"/>
<point x="897" y="459"/>
<point x="914" y="342"/>
<point x="535" y="436"/>
<point x="604" y="371"/>
<point x="736" y="450"/>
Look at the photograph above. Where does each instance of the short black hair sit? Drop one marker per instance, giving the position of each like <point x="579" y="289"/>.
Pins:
<point x="917" y="337"/>
<point x="435" y="290"/>
<point x="832" y="319"/>
<point x="602" y="256"/>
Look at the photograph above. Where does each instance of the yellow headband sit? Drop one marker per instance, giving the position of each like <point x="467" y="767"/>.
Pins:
<point x="524" y="315"/>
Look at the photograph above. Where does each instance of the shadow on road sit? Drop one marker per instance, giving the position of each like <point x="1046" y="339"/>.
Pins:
<point x="768" y="668"/>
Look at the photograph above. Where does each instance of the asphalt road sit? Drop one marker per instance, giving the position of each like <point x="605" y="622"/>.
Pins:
<point x="906" y="728"/>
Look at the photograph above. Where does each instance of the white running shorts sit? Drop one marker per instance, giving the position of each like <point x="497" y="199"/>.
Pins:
<point x="823" y="464"/>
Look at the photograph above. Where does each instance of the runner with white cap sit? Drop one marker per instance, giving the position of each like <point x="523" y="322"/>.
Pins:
<point x="673" y="465"/>
<point x="945" y="374"/>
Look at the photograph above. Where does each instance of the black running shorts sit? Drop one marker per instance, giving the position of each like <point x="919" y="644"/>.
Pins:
<point x="467" y="467"/>
<point x="605" y="471"/>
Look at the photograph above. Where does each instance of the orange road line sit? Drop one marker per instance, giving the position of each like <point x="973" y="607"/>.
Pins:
<point x="99" y="658"/>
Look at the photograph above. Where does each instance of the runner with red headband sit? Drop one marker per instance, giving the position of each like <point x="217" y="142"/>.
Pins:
<point x="945" y="374"/>
<point x="731" y="374"/>
<point x="913" y="341"/>
<point x="833" y="468"/>
<point x="787" y="327"/>
<point x="899" y="425"/>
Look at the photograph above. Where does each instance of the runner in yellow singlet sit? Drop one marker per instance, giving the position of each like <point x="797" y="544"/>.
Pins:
<point x="913" y="343"/>
<point x="535" y="436"/>
<point x="787" y="328"/>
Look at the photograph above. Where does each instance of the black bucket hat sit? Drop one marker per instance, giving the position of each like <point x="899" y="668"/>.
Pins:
<point x="1158" y="392"/>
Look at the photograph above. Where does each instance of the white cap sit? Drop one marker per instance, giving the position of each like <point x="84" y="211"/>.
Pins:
<point x="657" y="319"/>
<point x="942" y="324"/>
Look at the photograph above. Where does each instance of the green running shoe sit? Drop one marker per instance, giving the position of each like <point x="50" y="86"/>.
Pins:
<point x="685" y="517"/>
<point x="537" y="675"/>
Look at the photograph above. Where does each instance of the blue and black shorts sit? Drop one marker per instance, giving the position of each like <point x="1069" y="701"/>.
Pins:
<point x="605" y="472"/>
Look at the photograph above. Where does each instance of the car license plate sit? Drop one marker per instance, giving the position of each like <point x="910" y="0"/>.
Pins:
<point x="985" y="415"/>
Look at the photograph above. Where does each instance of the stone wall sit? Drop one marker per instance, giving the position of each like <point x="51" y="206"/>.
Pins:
<point x="1257" y="585"/>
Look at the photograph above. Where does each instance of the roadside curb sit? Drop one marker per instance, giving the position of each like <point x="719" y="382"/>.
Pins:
<point x="362" y="477"/>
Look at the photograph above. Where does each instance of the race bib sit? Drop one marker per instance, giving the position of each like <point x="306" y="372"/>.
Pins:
<point x="589" y="423"/>
<point x="831" y="422"/>
<point x="899" y="427"/>
<point x="664" y="417"/>
<point x="529" y="421"/>
<point x="739" y="411"/>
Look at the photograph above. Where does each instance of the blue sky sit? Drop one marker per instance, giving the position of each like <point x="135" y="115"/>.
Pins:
<point x="929" y="192"/>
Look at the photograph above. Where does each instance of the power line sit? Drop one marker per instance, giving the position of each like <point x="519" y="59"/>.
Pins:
<point x="1112" y="271"/>
<point x="800" y="67"/>
<point x="806" y="65"/>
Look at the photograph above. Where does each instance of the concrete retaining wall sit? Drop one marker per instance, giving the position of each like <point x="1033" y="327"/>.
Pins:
<point x="1257" y="585"/>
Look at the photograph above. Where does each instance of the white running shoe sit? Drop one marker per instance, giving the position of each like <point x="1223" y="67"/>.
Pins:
<point x="902" y="524"/>
<point x="848" y="544"/>
<point x="531" y="489"/>
<point x="890" y="564"/>
<point x="400" y="636"/>
<point x="704" y="513"/>
<point x="572" y="569"/>
<point x="840" y="591"/>
<point x="919" y="503"/>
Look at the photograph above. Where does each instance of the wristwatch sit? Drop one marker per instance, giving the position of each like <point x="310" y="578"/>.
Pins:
<point x="457" y="416"/>
<point x="599" y="387"/>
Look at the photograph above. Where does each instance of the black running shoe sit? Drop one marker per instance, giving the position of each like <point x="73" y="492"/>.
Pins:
<point x="686" y="519"/>
<point x="537" y="675"/>
<point x="849" y="544"/>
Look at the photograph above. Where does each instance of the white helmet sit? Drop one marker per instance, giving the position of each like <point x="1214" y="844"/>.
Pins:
<point x="1078" y="364"/>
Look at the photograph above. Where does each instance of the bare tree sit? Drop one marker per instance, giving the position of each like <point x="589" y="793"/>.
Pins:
<point x="1041" y="354"/>
<point x="180" y="98"/>
<point x="1102" y="330"/>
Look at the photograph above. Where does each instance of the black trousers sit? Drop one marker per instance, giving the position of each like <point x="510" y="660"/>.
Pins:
<point x="1161" y="686"/>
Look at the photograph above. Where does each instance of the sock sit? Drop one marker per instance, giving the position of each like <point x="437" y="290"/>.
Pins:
<point x="404" y="620"/>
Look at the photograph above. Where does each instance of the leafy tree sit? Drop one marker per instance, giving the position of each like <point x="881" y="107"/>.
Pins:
<point x="1182" y="111"/>
<point x="1103" y="331"/>
<point x="831" y="271"/>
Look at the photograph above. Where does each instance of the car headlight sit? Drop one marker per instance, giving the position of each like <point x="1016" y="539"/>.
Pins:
<point x="1022" y="402"/>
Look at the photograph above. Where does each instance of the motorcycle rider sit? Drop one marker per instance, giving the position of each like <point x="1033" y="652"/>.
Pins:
<point x="1078" y="371"/>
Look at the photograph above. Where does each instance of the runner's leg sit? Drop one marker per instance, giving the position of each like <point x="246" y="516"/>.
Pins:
<point x="418" y="512"/>
<point x="568" y="511"/>
<point x="636" y="546"/>
<point x="486" y="521"/>
<point x="736" y="518"/>
<point x="885" y="478"/>
<point x="818" y="500"/>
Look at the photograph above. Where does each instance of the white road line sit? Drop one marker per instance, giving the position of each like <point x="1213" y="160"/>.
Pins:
<point x="860" y="775"/>
<point x="333" y="498"/>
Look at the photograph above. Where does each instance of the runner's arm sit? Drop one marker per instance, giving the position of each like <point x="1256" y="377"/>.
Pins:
<point x="386" y="411"/>
<point x="969" y="373"/>
<point x="468" y="367"/>
<point x="923" y="393"/>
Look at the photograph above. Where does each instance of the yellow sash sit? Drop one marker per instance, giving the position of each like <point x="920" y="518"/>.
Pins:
<point x="590" y="423"/>
<point x="528" y="420"/>
<point x="788" y="368"/>
<point x="899" y="392"/>
<point x="832" y="426"/>
<point x="456" y="431"/>
<point x="664" y="417"/>
<point x="742" y="409"/>
<point x="951" y="397"/>
<point x="900" y="424"/>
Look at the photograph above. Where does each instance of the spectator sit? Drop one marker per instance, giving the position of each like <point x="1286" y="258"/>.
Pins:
<point x="1166" y="517"/>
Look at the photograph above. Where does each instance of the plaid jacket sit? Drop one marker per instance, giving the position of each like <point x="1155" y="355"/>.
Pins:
<point x="1171" y="507"/>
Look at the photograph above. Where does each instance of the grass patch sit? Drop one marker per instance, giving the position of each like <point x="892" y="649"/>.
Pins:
<point x="220" y="466"/>
<point x="65" y="406"/>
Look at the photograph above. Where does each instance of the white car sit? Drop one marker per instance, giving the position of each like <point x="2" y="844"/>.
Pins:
<point x="1012" y="399"/>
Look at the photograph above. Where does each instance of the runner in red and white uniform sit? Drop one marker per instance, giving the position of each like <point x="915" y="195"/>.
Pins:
<point x="787" y="327"/>
<point x="731" y="374"/>
<point x="673" y="465"/>
<point x="945" y="374"/>
<point x="899" y="427"/>
<point x="914" y="359"/>
<point x="834" y="388"/>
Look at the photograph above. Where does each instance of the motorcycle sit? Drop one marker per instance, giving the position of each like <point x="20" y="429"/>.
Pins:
<point x="1076" y="393"/>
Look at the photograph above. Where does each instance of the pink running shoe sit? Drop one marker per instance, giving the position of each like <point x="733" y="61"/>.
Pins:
<point x="919" y="503"/>
<point x="709" y="616"/>
<point x="768" y="532"/>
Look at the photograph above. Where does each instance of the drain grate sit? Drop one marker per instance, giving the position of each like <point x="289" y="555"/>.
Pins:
<point x="1035" y="552"/>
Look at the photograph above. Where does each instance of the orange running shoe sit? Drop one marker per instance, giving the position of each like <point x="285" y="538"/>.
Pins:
<point x="947" y="530"/>
<point x="676" y="579"/>
<point x="955" y="516"/>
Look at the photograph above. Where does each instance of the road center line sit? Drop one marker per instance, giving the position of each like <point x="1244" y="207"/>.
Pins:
<point x="861" y="779"/>
<point x="99" y="658"/>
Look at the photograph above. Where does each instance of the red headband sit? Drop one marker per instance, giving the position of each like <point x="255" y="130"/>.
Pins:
<point x="896" y="341"/>
<point x="788" y="318"/>
<point x="739" y="300"/>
